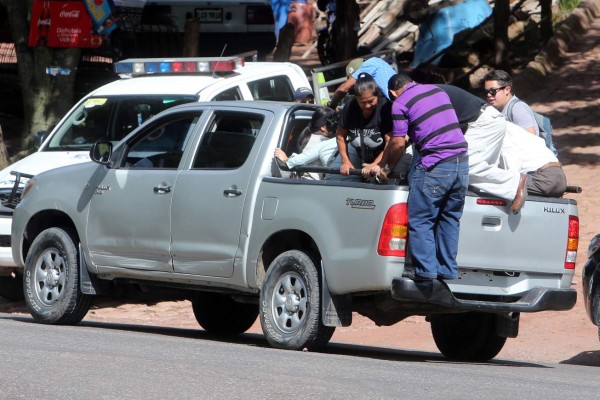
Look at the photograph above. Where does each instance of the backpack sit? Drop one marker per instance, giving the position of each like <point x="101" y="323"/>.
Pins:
<point x="543" y="123"/>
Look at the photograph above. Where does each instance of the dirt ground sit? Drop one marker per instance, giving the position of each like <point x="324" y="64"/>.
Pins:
<point x="570" y="95"/>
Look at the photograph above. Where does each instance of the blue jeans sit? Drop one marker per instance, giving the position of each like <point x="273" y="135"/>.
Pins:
<point x="435" y="205"/>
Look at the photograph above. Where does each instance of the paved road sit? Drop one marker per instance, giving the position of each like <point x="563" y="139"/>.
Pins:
<point x="109" y="361"/>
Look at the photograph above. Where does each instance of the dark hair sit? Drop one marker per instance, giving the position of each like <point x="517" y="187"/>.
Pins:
<point x="366" y="83"/>
<point x="323" y="116"/>
<point x="501" y="76"/>
<point x="398" y="80"/>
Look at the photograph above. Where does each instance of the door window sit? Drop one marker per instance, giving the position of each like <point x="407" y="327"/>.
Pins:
<point x="229" y="94"/>
<point x="228" y="140"/>
<point x="277" y="88"/>
<point x="162" y="145"/>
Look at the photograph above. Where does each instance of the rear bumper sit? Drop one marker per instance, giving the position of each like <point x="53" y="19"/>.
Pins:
<point x="437" y="293"/>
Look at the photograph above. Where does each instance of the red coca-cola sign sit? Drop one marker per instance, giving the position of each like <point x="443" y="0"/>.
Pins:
<point x="61" y="23"/>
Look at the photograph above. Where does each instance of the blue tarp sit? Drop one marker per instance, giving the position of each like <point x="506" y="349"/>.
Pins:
<point x="437" y="32"/>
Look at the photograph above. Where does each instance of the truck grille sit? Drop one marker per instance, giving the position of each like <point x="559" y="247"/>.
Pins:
<point x="4" y="240"/>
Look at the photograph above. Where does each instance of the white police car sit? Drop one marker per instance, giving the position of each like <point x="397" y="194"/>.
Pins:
<point x="147" y="87"/>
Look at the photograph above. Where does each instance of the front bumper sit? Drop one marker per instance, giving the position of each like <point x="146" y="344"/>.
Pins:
<point x="6" y="259"/>
<point x="438" y="294"/>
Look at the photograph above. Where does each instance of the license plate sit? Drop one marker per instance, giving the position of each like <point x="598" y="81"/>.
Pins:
<point x="209" y="15"/>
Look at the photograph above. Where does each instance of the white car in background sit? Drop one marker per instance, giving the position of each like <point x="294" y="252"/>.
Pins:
<point x="226" y="26"/>
<point x="147" y="87"/>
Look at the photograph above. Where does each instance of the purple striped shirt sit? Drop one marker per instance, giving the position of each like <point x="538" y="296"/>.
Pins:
<point x="425" y="114"/>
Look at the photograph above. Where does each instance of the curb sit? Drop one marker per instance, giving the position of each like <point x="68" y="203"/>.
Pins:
<point x="555" y="51"/>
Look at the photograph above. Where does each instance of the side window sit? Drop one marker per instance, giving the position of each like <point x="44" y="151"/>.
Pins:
<point x="277" y="88"/>
<point x="228" y="140"/>
<point x="162" y="145"/>
<point x="229" y="94"/>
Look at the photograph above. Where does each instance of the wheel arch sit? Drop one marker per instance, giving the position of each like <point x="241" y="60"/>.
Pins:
<point x="336" y="310"/>
<point x="280" y="242"/>
<point x="42" y="221"/>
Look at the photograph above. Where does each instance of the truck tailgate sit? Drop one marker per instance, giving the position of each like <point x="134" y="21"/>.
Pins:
<point x="535" y="240"/>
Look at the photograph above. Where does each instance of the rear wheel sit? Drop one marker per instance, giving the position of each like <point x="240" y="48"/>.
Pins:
<point x="219" y="314"/>
<point x="51" y="283"/>
<point x="290" y="303"/>
<point x="11" y="287"/>
<point x="469" y="336"/>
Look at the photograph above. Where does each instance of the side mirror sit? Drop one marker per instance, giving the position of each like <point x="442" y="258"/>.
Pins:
<point x="101" y="152"/>
<point x="38" y="138"/>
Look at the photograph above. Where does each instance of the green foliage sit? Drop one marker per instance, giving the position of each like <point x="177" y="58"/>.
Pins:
<point x="568" y="5"/>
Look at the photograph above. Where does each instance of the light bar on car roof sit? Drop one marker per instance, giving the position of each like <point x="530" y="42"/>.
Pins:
<point x="148" y="66"/>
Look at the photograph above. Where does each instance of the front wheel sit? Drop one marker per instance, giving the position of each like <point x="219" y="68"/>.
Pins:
<point x="290" y="306"/>
<point x="51" y="282"/>
<point x="469" y="336"/>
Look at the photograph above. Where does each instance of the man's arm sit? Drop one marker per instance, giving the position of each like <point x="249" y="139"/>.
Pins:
<point x="341" y="91"/>
<point x="393" y="152"/>
<point x="340" y="137"/>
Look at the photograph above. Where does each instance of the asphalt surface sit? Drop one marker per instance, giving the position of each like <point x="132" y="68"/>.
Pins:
<point x="110" y="361"/>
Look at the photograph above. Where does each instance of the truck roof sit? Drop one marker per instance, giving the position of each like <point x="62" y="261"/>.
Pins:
<point x="192" y="83"/>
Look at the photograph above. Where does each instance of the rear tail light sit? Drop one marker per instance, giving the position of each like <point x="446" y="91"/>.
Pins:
<point x="259" y="15"/>
<point x="491" y="202"/>
<point x="572" y="242"/>
<point x="394" y="232"/>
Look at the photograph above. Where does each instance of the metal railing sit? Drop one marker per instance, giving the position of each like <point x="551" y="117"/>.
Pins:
<point x="318" y="74"/>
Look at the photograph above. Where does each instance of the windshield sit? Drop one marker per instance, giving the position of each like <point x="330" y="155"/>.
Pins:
<point x="109" y="118"/>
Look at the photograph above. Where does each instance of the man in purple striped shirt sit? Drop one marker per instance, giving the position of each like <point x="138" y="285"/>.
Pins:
<point x="438" y="177"/>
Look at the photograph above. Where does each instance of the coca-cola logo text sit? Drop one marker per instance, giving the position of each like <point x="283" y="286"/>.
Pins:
<point x="69" y="14"/>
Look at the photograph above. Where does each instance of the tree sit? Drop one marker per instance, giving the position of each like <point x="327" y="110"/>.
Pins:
<point x="46" y="98"/>
<point x="345" y="29"/>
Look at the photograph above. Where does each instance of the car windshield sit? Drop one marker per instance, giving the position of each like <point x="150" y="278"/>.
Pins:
<point x="109" y="118"/>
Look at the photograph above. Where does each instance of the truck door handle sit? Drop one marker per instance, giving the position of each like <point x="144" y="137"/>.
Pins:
<point x="162" y="189"/>
<point x="232" y="192"/>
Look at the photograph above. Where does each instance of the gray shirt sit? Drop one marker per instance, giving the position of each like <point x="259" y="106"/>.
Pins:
<point x="522" y="114"/>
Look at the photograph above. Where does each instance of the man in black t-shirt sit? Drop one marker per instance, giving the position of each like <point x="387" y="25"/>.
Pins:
<point x="484" y="129"/>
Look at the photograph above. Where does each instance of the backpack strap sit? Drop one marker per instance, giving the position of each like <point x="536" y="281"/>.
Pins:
<point x="509" y="114"/>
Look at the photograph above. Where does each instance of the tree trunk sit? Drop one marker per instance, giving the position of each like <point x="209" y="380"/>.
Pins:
<point x="4" y="162"/>
<point x="345" y="29"/>
<point x="546" y="29"/>
<point x="191" y="36"/>
<point x="501" y="15"/>
<point x="285" y="42"/>
<point x="46" y="98"/>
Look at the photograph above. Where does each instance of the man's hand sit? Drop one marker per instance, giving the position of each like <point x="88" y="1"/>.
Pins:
<point x="369" y="170"/>
<point x="280" y="154"/>
<point x="345" y="168"/>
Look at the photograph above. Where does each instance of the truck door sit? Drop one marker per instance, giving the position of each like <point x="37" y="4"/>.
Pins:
<point x="138" y="194"/>
<point x="209" y="200"/>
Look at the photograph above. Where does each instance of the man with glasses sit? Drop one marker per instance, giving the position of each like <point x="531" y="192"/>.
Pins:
<point x="499" y="93"/>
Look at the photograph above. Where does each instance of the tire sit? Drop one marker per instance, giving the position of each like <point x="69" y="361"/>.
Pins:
<point x="51" y="283"/>
<point x="11" y="287"/>
<point x="468" y="337"/>
<point x="290" y="299"/>
<point x="220" y="314"/>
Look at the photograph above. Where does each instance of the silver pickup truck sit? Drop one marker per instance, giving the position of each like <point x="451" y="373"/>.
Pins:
<point x="190" y="206"/>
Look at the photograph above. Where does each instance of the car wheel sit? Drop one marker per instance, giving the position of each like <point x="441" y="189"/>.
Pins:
<point x="220" y="314"/>
<point x="51" y="283"/>
<point x="290" y="306"/>
<point x="11" y="287"/>
<point x="469" y="336"/>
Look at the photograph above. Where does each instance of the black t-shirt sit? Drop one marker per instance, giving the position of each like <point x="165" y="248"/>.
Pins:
<point x="466" y="105"/>
<point x="370" y="131"/>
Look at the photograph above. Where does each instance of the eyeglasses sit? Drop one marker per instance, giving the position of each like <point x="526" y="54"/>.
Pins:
<point x="492" y="92"/>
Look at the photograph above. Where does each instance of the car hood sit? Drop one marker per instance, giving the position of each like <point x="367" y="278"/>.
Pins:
<point x="39" y="162"/>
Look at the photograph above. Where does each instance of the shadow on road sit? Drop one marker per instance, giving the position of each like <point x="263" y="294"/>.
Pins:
<point x="258" y="340"/>
<point x="587" y="358"/>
